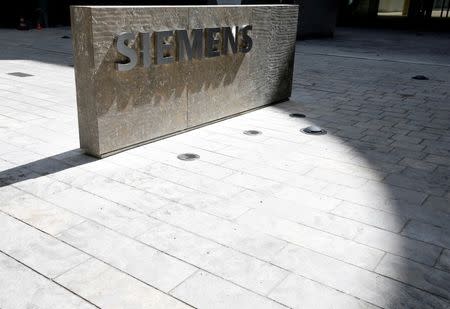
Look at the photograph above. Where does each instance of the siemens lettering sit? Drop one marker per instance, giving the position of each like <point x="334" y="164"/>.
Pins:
<point x="177" y="45"/>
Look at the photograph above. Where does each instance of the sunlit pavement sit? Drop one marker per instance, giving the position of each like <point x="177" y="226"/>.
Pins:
<point x="356" y="218"/>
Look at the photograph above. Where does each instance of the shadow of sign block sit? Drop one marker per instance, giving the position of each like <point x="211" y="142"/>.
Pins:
<point x="164" y="91"/>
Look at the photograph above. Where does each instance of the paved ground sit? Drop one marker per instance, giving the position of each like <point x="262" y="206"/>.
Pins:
<point x="358" y="218"/>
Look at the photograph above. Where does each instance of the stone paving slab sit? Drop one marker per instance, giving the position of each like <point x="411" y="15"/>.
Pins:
<point x="109" y="288"/>
<point x="357" y="218"/>
<point x="21" y="287"/>
<point x="37" y="249"/>
<point x="242" y="269"/>
<point x="300" y="292"/>
<point x="143" y="262"/>
<point x="204" y="290"/>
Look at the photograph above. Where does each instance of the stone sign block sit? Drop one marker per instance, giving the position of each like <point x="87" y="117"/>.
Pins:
<point x="144" y="72"/>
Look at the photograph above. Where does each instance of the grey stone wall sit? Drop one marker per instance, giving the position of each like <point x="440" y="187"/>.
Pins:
<point x="122" y="109"/>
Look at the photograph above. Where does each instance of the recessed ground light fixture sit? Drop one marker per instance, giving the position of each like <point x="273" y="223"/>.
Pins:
<point x="420" y="77"/>
<point x="20" y="74"/>
<point x="188" y="156"/>
<point x="65" y="37"/>
<point x="314" y="130"/>
<point x="297" y="115"/>
<point x="252" y="132"/>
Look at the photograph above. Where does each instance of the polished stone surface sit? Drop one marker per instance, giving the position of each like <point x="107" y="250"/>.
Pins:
<point x="123" y="109"/>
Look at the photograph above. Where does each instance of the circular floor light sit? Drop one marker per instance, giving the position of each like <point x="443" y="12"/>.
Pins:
<point x="420" y="77"/>
<point x="314" y="130"/>
<point x="297" y="115"/>
<point x="188" y="156"/>
<point x="252" y="132"/>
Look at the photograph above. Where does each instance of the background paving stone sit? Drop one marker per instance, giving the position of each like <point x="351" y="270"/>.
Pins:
<point x="36" y="249"/>
<point x="428" y="233"/>
<point x="204" y="290"/>
<point x="21" y="287"/>
<point x="236" y="236"/>
<point x="399" y="245"/>
<point x="313" y="239"/>
<point x="415" y="274"/>
<point x="107" y="213"/>
<point x="239" y="268"/>
<point x="299" y="292"/>
<point x="371" y="216"/>
<point x="140" y="261"/>
<point x="353" y="280"/>
<point x="444" y="260"/>
<point x="107" y="287"/>
<point x="41" y="214"/>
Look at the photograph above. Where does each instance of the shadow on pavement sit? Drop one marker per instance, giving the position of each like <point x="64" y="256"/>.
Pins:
<point x="44" y="167"/>
<point x="53" y="46"/>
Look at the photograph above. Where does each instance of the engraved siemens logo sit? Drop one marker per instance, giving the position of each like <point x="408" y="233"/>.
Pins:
<point x="165" y="47"/>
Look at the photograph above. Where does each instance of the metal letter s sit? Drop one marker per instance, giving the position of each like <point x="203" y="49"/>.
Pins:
<point x="247" y="40"/>
<point x="121" y="42"/>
